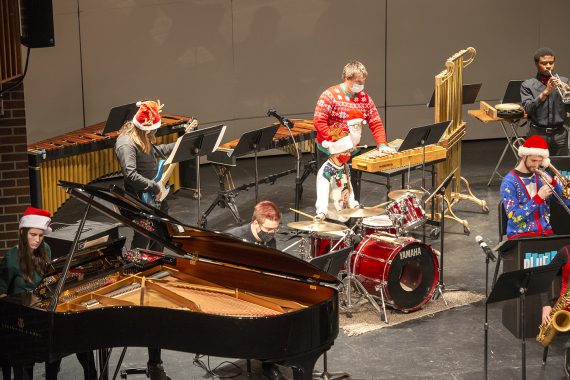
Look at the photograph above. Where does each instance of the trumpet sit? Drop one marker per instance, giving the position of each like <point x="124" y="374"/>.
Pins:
<point x="563" y="88"/>
<point x="561" y="178"/>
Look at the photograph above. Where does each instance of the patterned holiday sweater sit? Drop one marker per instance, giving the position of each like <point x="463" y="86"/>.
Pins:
<point x="333" y="108"/>
<point x="334" y="191"/>
<point x="528" y="214"/>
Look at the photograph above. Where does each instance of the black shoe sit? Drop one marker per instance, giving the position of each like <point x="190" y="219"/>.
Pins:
<point x="271" y="371"/>
<point x="567" y="362"/>
<point x="156" y="372"/>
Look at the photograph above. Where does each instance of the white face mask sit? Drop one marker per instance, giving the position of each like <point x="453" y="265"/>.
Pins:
<point x="357" y="87"/>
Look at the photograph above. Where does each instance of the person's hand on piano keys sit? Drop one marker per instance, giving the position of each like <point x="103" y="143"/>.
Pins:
<point x="383" y="148"/>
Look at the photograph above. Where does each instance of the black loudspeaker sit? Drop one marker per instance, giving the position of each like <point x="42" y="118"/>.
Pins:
<point x="37" y="23"/>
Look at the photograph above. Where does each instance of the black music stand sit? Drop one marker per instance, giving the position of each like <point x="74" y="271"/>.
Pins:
<point x="470" y="92"/>
<point x="118" y="116"/>
<point x="194" y="145"/>
<point x="519" y="284"/>
<point x="441" y="191"/>
<point x="256" y="141"/>
<point x="331" y="263"/>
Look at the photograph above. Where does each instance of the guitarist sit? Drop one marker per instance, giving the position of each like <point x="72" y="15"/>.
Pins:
<point x="136" y="153"/>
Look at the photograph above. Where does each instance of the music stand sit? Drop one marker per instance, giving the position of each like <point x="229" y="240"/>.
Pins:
<point x="256" y="141"/>
<point x="195" y="144"/>
<point x="513" y="92"/>
<point x="519" y="284"/>
<point x="441" y="190"/>
<point x="118" y="116"/>
<point x="331" y="263"/>
<point x="470" y="92"/>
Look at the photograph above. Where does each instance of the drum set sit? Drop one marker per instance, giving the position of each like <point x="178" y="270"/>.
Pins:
<point x="386" y="263"/>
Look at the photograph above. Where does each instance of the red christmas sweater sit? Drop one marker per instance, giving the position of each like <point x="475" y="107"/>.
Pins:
<point x="334" y="106"/>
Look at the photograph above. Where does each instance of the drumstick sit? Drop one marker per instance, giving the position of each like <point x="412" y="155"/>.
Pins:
<point x="302" y="213"/>
<point x="381" y="204"/>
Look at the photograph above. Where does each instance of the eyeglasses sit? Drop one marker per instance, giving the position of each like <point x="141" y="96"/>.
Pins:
<point x="269" y="230"/>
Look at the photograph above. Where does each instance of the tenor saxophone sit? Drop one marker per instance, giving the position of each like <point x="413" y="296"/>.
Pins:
<point x="559" y="320"/>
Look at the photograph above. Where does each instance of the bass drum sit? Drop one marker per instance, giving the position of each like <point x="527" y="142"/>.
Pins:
<point x="406" y="269"/>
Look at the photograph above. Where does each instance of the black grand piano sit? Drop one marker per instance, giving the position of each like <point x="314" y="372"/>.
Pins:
<point x="209" y="293"/>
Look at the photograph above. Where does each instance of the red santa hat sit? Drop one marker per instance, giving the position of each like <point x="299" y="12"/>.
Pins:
<point x="147" y="117"/>
<point x="36" y="218"/>
<point x="534" y="146"/>
<point x="355" y="117"/>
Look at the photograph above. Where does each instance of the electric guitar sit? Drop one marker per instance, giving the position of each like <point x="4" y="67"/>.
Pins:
<point x="163" y="173"/>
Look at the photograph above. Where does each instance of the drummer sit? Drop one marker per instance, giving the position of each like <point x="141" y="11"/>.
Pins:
<point x="334" y="190"/>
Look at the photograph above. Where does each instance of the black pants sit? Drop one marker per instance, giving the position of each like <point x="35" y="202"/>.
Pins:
<point x="556" y="137"/>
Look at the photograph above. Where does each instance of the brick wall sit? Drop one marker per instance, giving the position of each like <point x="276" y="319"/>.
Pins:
<point x="14" y="180"/>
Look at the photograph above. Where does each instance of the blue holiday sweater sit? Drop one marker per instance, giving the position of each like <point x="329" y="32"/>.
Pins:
<point x="527" y="215"/>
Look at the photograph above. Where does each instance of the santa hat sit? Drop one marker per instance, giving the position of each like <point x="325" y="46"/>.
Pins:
<point x="36" y="218"/>
<point x="342" y="145"/>
<point x="147" y="117"/>
<point x="355" y="117"/>
<point x="534" y="146"/>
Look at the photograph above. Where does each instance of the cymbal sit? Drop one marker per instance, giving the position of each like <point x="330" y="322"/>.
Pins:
<point x="395" y="194"/>
<point x="315" y="226"/>
<point x="361" y="212"/>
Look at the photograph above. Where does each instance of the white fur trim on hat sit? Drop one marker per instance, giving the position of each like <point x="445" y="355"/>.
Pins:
<point x="342" y="145"/>
<point x="526" y="151"/>
<point x="36" y="221"/>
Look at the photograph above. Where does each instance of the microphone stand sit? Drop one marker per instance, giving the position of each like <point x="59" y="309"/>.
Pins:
<point x="486" y="323"/>
<point x="289" y="125"/>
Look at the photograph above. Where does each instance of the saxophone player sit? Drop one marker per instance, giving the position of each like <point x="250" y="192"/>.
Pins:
<point x="562" y="259"/>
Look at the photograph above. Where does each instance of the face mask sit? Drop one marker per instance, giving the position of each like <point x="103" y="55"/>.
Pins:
<point x="265" y="237"/>
<point x="343" y="158"/>
<point x="357" y="87"/>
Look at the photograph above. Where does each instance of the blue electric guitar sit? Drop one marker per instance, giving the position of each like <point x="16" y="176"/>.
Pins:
<point x="163" y="173"/>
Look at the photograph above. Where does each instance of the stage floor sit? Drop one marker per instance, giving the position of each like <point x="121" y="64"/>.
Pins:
<point x="447" y="345"/>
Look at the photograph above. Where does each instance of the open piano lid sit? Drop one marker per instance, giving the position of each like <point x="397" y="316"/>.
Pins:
<point x="205" y="245"/>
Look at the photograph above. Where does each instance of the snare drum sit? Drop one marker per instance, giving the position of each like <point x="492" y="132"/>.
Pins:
<point x="322" y="242"/>
<point x="409" y="207"/>
<point x="381" y="223"/>
<point x="406" y="269"/>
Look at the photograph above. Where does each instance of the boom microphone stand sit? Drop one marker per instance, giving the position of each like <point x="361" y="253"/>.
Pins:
<point x="298" y="183"/>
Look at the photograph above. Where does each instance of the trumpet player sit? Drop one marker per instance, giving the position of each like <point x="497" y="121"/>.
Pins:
<point x="526" y="192"/>
<point x="542" y="101"/>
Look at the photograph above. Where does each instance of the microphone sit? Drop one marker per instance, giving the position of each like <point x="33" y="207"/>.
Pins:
<point x="485" y="248"/>
<point x="284" y="121"/>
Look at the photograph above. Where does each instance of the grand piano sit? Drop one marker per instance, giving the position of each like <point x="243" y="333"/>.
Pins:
<point x="209" y="293"/>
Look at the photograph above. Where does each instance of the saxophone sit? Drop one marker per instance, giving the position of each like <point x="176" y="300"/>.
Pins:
<point x="559" y="320"/>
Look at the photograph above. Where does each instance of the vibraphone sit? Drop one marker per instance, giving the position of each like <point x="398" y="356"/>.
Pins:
<point x="222" y="160"/>
<point x="83" y="156"/>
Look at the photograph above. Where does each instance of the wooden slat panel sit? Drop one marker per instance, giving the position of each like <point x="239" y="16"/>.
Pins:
<point x="10" y="49"/>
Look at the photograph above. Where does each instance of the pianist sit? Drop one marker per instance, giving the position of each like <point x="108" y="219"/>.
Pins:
<point x="21" y="270"/>
<point x="263" y="227"/>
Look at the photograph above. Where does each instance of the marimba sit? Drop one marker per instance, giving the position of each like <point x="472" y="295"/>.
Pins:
<point x="83" y="156"/>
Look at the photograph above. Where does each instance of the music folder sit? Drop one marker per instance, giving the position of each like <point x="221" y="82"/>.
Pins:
<point x="430" y="134"/>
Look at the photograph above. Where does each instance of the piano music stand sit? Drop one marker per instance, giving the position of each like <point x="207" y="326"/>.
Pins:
<point x="194" y="145"/>
<point x="519" y="284"/>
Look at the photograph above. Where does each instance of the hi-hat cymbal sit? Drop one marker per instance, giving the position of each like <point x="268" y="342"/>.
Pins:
<point x="395" y="194"/>
<point x="315" y="226"/>
<point x="361" y="212"/>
